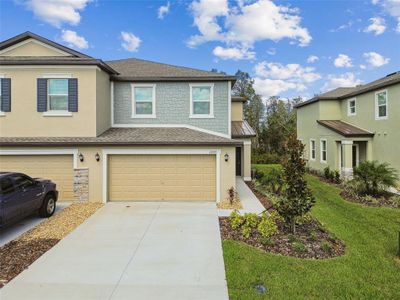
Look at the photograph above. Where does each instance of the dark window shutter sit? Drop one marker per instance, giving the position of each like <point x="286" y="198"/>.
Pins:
<point x="5" y="94"/>
<point x="73" y="94"/>
<point x="41" y="94"/>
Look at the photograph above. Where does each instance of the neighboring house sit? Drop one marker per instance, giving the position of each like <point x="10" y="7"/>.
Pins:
<point x="345" y="126"/>
<point x="120" y="130"/>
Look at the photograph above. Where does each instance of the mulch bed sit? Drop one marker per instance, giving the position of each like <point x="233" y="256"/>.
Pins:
<point x="19" y="254"/>
<point x="318" y="244"/>
<point x="310" y="241"/>
<point x="383" y="201"/>
<point x="261" y="197"/>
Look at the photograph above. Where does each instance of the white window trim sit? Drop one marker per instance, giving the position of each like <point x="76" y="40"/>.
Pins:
<point x="311" y="149"/>
<point x="377" y="117"/>
<point x="349" y="113"/>
<point x="151" y="151"/>
<point x="55" y="113"/>
<point x="141" y="116"/>
<point x="321" y="150"/>
<point x="200" y="116"/>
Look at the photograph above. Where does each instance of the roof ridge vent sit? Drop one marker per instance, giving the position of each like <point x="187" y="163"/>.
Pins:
<point x="394" y="73"/>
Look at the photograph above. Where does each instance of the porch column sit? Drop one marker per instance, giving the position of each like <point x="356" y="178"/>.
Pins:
<point x="347" y="159"/>
<point x="369" y="155"/>
<point x="247" y="160"/>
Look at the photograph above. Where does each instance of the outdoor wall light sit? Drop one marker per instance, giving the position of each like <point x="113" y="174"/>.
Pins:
<point x="97" y="157"/>
<point x="81" y="157"/>
<point x="226" y="156"/>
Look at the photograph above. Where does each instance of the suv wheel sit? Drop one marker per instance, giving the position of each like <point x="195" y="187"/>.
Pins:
<point x="48" y="207"/>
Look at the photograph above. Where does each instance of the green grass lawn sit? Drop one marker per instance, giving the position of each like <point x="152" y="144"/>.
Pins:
<point x="368" y="270"/>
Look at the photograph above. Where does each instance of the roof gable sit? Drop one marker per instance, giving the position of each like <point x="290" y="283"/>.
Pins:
<point x="30" y="44"/>
<point x="32" y="47"/>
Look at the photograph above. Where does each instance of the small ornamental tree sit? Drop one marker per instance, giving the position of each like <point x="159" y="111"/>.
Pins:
<point x="297" y="199"/>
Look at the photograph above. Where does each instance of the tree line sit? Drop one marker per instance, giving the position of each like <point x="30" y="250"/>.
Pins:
<point x="273" y="120"/>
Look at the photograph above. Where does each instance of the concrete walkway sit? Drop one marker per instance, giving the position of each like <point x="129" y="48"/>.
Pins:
<point x="132" y="251"/>
<point x="249" y="201"/>
<point x="12" y="232"/>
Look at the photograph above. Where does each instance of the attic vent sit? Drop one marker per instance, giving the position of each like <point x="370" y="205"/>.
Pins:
<point x="394" y="73"/>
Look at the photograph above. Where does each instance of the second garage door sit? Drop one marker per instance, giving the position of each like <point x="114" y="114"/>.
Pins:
<point x="58" y="168"/>
<point x="162" y="177"/>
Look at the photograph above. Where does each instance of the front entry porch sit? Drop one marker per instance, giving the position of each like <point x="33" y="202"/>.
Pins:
<point x="351" y="153"/>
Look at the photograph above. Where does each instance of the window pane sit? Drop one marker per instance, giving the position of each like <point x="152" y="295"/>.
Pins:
<point x="382" y="111"/>
<point x="58" y="86"/>
<point x="352" y="110"/>
<point x="144" y="108"/>
<point x="201" y="108"/>
<point x="381" y="98"/>
<point x="324" y="155"/>
<point x="201" y="93"/>
<point x="143" y="94"/>
<point x="58" y="102"/>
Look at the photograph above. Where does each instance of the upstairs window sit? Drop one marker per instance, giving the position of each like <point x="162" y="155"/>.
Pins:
<point x="143" y="101"/>
<point x="381" y="105"/>
<point x="57" y="96"/>
<point x="312" y="149"/>
<point x="351" y="107"/>
<point x="323" y="151"/>
<point x="201" y="101"/>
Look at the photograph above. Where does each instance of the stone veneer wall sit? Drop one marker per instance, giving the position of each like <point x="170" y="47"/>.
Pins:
<point x="81" y="184"/>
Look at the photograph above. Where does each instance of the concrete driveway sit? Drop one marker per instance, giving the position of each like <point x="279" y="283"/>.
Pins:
<point x="132" y="251"/>
<point x="11" y="233"/>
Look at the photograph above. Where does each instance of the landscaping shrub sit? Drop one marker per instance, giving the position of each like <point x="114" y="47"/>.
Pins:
<point x="298" y="199"/>
<point x="332" y="175"/>
<point x="274" y="181"/>
<point x="258" y="174"/>
<point x="265" y="158"/>
<point x="374" y="178"/>
<point x="236" y="219"/>
<point x="328" y="173"/>
<point x="251" y="219"/>
<point x="267" y="226"/>
<point x="232" y="195"/>
<point x="326" y="247"/>
<point x="299" y="247"/>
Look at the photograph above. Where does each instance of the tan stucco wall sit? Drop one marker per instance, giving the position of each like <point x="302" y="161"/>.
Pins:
<point x="103" y="101"/>
<point x="237" y="111"/>
<point x="25" y="121"/>
<point x="32" y="49"/>
<point x="227" y="169"/>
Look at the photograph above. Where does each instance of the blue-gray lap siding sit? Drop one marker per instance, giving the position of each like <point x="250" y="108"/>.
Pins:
<point x="173" y="106"/>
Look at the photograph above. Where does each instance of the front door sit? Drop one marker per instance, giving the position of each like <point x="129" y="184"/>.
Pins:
<point x="238" y="161"/>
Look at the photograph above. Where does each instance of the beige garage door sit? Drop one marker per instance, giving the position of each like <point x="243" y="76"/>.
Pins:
<point x="58" y="168"/>
<point x="161" y="177"/>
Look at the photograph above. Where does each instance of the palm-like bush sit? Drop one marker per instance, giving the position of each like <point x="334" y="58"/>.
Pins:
<point x="373" y="177"/>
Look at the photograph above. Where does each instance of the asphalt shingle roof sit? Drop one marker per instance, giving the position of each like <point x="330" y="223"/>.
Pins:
<point x="142" y="70"/>
<point x="346" y="92"/>
<point x="128" y="136"/>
